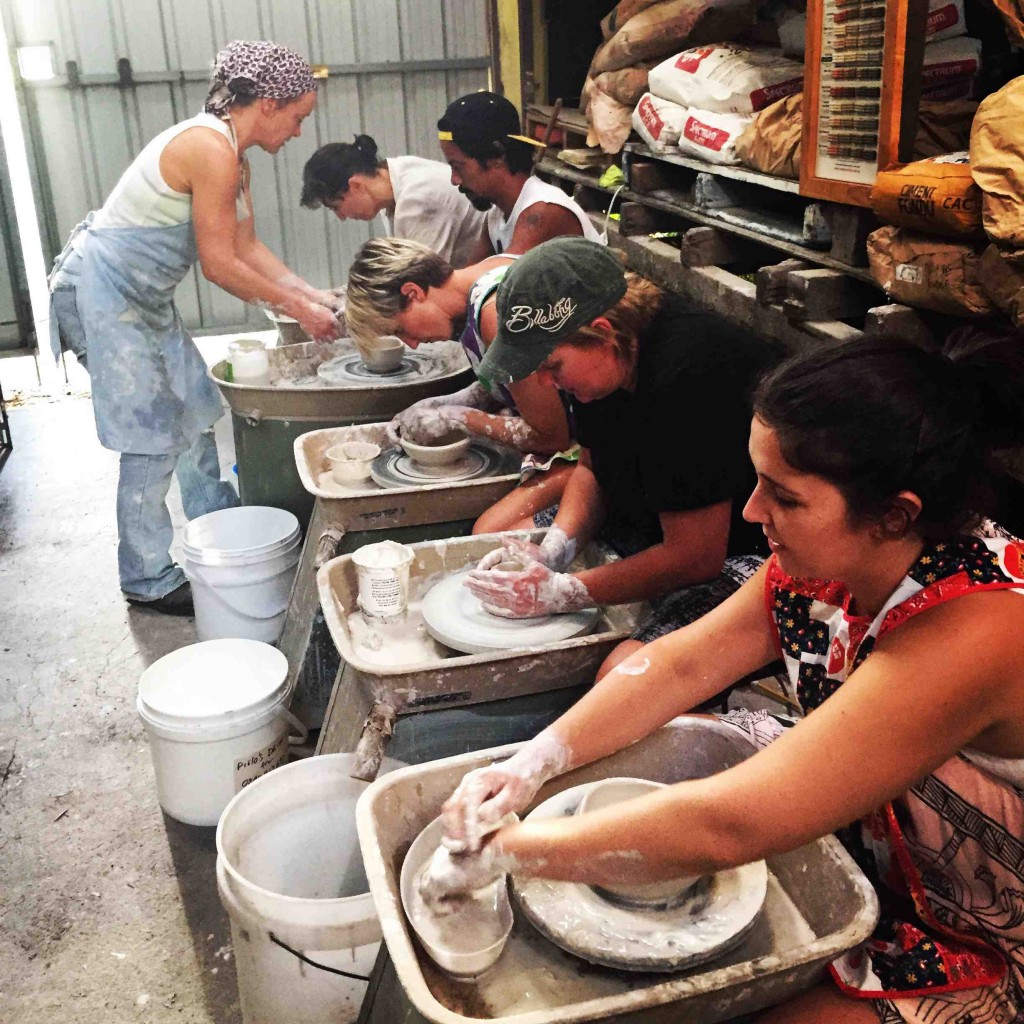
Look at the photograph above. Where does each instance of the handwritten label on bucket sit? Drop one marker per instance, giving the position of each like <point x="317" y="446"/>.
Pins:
<point x="262" y="761"/>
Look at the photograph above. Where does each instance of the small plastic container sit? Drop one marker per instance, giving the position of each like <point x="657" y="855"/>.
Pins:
<point x="248" y="359"/>
<point x="382" y="571"/>
<point x="350" y="462"/>
<point x="445" y="451"/>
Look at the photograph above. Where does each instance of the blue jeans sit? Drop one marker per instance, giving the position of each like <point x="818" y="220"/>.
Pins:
<point x="144" y="528"/>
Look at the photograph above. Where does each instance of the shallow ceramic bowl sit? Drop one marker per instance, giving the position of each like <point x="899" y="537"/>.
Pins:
<point x="445" y="451"/>
<point x="350" y="462"/>
<point x="386" y="355"/>
<point x="606" y="793"/>
<point x="460" y="963"/>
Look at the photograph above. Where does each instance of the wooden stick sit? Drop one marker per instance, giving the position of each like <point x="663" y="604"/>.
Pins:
<point x="549" y="128"/>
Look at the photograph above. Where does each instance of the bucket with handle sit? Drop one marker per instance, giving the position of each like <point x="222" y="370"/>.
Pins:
<point x="290" y="875"/>
<point x="241" y="564"/>
<point x="217" y="718"/>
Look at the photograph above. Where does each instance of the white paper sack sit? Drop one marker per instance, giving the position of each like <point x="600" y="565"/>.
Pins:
<point x="945" y="20"/>
<point x="727" y="78"/>
<point x="951" y="60"/>
<point x="711" y="135"/>
<point x="659" y="122"/>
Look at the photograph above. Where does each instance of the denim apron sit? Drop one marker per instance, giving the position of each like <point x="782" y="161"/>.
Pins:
<point x="112" y="299"/>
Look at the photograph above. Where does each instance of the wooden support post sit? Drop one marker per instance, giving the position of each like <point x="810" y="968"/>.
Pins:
<point x="648" y="176"/>
<point x="897" y="321"/>
<point x="771" y="281"/>
<point x="642" y="220"/>
<point x="826" y="295"/>
<point x="851" y="226"/>
<point x="709" y="247"/>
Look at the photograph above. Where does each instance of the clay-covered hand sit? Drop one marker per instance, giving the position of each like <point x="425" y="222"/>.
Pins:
<point x="486" y="796"/>
<point x="426" y="425"/>
<point x="317" y="321"/>
<point x="472" y="397"/>
<point x="556" y="551"/>
<point x="450" y="876"/>
<point x="537" y="590"/>
<point x="334" y="301"/>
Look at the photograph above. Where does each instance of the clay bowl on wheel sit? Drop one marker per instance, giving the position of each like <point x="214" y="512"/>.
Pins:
<point x="653" y="895"/>
<point x="443" y="451"/>
<point x="385" y="356"/>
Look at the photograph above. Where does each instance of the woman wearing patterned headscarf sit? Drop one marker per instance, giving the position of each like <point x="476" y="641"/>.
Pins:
<point x="185" y="197"/>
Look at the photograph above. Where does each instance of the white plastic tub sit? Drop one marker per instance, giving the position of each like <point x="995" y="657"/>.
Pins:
<point x="241" y="563"/>
<point x="217" y="719"/>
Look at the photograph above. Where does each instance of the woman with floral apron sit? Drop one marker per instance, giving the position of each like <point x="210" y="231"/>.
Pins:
<point x="897" y="610"/>
<point x="185" y="198"/>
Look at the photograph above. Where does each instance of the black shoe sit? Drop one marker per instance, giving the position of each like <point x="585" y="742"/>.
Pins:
<point x="177" y="602"/>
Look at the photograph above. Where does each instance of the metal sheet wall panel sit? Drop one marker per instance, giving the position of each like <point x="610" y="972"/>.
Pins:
<point x="87" y="136"/>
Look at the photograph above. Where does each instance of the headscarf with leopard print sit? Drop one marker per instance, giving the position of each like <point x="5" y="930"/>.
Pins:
<point x="257" y="69"/>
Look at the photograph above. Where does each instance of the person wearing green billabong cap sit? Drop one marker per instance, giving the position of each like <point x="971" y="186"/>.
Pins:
<point x="660" y="397"/>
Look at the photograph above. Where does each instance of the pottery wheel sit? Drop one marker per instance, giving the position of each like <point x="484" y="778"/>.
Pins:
<point x="350" y="367"/>
<point x="714" y="920"/>
<point x="393" y="468"/>
<point x="457" y="619"/>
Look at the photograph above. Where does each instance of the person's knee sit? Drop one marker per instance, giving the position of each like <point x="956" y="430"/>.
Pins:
<point x="619" y="655"/>
<point x="501" y="518"/>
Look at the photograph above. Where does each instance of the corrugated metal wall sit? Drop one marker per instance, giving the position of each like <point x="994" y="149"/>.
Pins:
<point x="83" y="137"/>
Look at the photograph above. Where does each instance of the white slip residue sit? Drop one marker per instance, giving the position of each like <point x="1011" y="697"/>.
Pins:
<point x="467" y="925"/>
<point x="626" y="669"/>
<point x="406" y="642"/>
<point x="295" y="366"/>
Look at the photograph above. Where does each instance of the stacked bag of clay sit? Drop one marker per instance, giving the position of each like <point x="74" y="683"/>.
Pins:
<point x="701" y="101"/>
<point x="954" y="235"/>
<point x="638" y="36"/>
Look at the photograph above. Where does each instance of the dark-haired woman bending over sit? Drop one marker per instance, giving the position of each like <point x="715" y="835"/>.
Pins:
<point x="414" y="197"/>
<point x="898" y="610"/>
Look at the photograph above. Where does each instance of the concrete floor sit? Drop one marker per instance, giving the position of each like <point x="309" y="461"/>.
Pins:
<point x="110" y="910"/>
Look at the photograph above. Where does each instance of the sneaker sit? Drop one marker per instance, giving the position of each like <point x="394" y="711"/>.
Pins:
<point x="177" y="602"/>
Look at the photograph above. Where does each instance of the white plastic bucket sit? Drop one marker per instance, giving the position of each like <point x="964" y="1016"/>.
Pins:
<point x="217" y="719"/>
<point x="241" y="563"/>
<point x="290" y="876"/>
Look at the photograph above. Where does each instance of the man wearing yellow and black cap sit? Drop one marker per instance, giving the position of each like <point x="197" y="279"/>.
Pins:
<point x="492" y="164"/>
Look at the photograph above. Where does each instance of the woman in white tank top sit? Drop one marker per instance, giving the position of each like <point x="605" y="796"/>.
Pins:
<point x="185" y="198"/>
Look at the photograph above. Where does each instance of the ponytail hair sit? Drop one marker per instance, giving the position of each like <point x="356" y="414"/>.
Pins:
<point x="878" y="416"/>
<point x="326" y="174"/>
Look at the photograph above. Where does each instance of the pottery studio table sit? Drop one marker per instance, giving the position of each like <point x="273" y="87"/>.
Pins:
<point x="446" y="701"/>
<point x="818" y="904"/>
<point x="345" y="518"/>
<point x="300" y="395"/>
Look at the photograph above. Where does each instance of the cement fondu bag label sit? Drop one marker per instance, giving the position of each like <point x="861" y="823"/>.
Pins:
<point x="937" y="195"/>
<point x="711" y="135"/>
<point x="727" y="78"/>
<point x="249" y="769"/>
<point x="659" y="122"/>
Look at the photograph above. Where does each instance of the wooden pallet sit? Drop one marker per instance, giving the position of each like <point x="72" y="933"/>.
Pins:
<point x="661" y="195"/>
<point x="789" y="301"/>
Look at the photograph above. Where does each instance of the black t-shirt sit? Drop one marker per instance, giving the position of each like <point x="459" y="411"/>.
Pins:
<point x="679" y="441"/>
